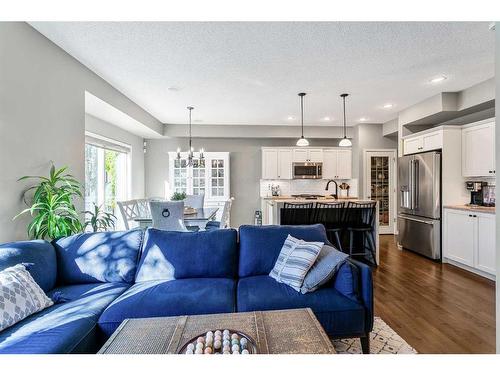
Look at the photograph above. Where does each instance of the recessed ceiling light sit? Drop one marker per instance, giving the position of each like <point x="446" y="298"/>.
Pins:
<point x="362" y="119"/>
<point x="290" y="118"/>
<point x="198" y="120"/>
<point x="438" y="79"/>
<point x="388" y="105"/>
<point x="326" y="118"/>
<point x="173" y="88"/>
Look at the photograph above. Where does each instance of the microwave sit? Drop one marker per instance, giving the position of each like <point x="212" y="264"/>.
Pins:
<point x="307" y="170"/>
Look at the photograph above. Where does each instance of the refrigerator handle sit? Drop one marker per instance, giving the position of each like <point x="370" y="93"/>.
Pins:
<point x="415" y="183"/>
<point x="411" y="184"/>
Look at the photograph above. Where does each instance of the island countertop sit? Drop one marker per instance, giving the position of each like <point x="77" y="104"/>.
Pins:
<point x="326" y="199"/>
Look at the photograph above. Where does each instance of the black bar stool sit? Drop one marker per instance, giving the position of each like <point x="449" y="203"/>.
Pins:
<point x="296" y="214"/>
<point x="360" y="218"/>
<point x="331" y="215"/>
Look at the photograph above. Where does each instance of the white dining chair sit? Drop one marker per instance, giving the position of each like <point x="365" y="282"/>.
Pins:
<point x="195" y="201"/>
<point x="129" y="211"/>
<point x="168" y="215"/>
<point x="225" y="217"/>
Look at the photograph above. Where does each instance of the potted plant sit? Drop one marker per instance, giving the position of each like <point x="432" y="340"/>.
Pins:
<point x="99" y="220"/>
<point x="52" y="209"/>
<point x="178" y="196"/>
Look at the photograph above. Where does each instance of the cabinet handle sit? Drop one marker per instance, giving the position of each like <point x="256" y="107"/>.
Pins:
<point x="490" y="171"/>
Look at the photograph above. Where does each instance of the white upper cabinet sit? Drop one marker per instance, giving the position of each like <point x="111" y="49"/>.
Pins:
<point x="304" y="155"/>
<point x="478" y="150"/>
<point x="276" y="164"/>
<point x="285" y="164"/>
<point x="423" y="142"/>
<point x="337" y="164"/>
<point x="269" y="164"/>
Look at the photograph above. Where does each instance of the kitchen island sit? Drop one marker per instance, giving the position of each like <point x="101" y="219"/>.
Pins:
<point x="272" y="205"/>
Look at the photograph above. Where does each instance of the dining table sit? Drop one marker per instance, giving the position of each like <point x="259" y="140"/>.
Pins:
<point x="198" y="218"/>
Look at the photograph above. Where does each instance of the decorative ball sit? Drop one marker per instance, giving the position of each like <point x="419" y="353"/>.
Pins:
<point x="191" y="347"/>
<point x="199" y="351"/>
<point x="226" y="342"/>
<point x="235" y="342"/>
<point x="217" y="344"/>
<point x="189" y="351"/>
<point x="245" y="351"/>
<point x="236" y="352"/>
<point x="243" y="342"/>
<point x="210" y="341"/>
<point x="200" y="340"/>
<point x="235" y="336"/>
<point x="199" y="345"/>
<point x="210" y="334"/>
<point x="235" y="348"/>
<point x="226" y="352"/>
<point x="218" y="332"/>
<point x="226" y="332"/>
<point x="208" y="350"/>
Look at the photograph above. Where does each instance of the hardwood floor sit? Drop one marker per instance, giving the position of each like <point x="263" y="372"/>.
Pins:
<point x="436" y="308"/>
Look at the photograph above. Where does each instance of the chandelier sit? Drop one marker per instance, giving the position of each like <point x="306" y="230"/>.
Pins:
<point x="190" y="153"/>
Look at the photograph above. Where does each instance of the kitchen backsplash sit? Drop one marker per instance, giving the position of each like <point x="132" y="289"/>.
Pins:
<point x="289" y="187"/>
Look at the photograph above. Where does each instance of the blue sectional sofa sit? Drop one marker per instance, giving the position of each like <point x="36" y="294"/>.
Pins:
<point x="99" y="279"/>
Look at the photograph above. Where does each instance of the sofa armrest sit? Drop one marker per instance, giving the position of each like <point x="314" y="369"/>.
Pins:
<point x="365" y="291"/>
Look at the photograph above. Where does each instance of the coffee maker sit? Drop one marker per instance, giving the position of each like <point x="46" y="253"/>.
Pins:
<point x="476" y="192"/>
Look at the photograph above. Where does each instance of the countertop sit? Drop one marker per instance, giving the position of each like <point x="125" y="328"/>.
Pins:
<point x="287" y="198"/>
<point x="464" y="207"/>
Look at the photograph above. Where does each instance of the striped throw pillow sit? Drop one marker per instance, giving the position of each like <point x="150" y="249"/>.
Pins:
<point x="295" y="260"/>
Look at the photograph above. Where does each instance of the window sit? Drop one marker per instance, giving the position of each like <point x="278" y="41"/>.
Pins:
<point x="209" y="176"/>
<point x="105" y="174"/>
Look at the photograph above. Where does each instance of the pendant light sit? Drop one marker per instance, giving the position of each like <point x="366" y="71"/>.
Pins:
<point x="190" y="149"/>
<point x="345" y="142"/>
<point x="302" y="142"/>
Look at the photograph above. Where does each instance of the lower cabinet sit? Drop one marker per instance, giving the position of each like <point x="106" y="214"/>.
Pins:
<point x="469" y="240"/>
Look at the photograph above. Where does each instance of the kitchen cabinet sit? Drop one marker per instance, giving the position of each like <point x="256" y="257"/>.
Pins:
<point x="276" y="164"/>
<point x="469" y="240"/>
<point x="423" y="142"/>
<point x="478" y="150"/>
<point x="337" y="164"/>
<point x="304" y="155"/>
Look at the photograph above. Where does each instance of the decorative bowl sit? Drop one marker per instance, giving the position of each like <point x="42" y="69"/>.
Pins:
<point x="205" y="343"/>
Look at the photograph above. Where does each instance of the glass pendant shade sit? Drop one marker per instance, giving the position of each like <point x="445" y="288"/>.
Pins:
<point x="302" y="142"/>
<point x="345" y="142"/>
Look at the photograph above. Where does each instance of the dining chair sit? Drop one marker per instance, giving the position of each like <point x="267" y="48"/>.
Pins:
<point x="296" y="213"/>
<point x="224" y="220"/>
<point x="331" y="215"/>
<point x="129" y="211"/>
<point x="168" y="215"/>
<point x="195" y="201"/>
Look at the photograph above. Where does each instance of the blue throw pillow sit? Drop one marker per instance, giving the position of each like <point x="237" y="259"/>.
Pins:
<point x="98" y="257"/>
<point x="327" y="264"/>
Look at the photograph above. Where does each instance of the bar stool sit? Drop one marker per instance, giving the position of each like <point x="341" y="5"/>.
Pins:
<point x="296" y="213"/>
<point x="360" y="218"/>
<point x="331" y="215"/>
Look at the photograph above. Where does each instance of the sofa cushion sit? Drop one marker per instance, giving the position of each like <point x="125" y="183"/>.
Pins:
<point x="98" y="257"/>
<point x="261" y="245"/>
<point x="40" y="255"/>
<point x="179" y="255"/>
<point x="170" y="298"/>
<point x="65" y="327"/>
<point x="338" y="314"/>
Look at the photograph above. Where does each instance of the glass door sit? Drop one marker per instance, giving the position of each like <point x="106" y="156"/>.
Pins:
<point x="380" y="186"/>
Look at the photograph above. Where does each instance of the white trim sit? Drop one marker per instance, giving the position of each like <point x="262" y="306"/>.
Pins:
<point x="94" y="138"/>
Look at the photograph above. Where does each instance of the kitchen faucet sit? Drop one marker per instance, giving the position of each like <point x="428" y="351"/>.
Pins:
<point x="336" y="188"/>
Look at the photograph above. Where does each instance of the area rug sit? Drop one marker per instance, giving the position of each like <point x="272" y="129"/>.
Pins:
<point x="383" y="340"/>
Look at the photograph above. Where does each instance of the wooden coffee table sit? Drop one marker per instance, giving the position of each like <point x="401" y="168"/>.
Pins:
<point x="275" y="332"/>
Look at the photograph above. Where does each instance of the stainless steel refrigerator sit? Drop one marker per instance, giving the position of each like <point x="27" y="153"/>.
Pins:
<point x="419" y="213"/>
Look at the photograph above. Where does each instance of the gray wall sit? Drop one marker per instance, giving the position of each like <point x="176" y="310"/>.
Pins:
<point x="105" y="129"/>
<point x="42" y="114"/>
<point x="245" y="160"/>
<point x="368" y="136"/>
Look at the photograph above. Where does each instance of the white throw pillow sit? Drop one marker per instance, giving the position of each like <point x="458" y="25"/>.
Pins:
<point x="20" y="296"/>
<point x="295" y="260"/>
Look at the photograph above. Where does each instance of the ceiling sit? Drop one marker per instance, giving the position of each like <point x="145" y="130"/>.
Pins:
<point x="250" y="73"/>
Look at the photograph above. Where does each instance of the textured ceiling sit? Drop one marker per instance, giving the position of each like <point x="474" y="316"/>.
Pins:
<point x="250" y="73"/>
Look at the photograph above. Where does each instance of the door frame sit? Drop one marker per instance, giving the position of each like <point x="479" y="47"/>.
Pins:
<point x="391" y="152"/>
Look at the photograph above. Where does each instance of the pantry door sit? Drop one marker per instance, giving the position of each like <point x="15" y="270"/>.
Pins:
<point x="380" y="185"/>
